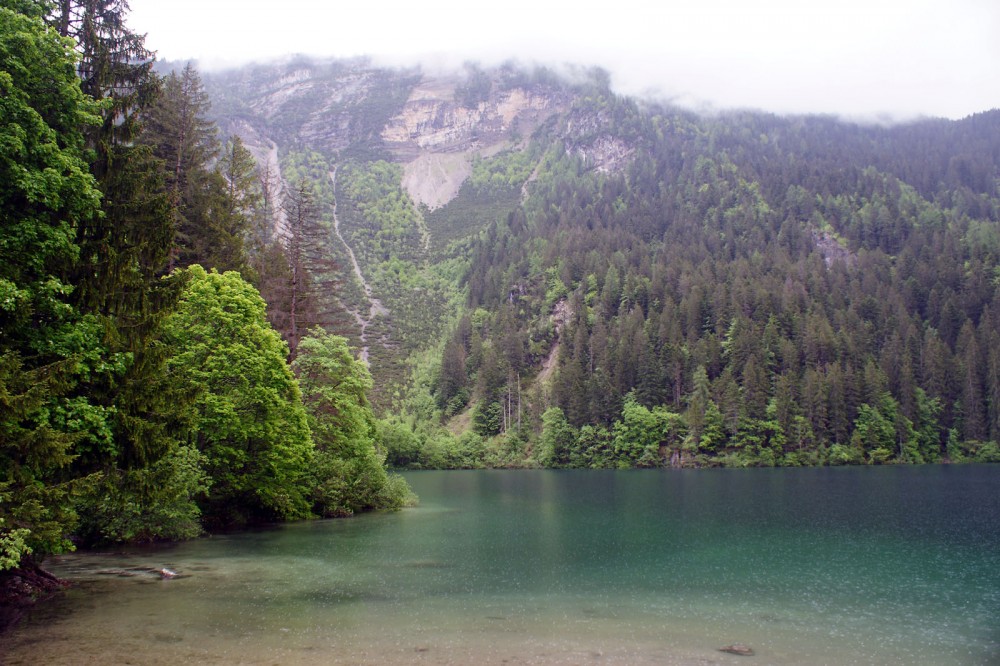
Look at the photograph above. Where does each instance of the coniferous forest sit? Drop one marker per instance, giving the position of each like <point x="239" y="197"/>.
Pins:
<point x="194" y="337"/>
<point x="750" y="291"/>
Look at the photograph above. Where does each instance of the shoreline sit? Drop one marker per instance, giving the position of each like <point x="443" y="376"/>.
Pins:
<point x="22" y="589"/>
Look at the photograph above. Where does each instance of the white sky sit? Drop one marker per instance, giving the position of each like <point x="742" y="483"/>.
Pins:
<point x="859" y="58"/>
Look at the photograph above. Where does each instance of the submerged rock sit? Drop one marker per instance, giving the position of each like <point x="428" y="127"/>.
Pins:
<point x="158" y="572"/>
<point x="737" y="649"/>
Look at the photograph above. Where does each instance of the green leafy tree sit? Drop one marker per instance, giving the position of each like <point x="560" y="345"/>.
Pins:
<point x="250" y="423"/>
<point x="348" y="470"/>
<point x="154" y="502"/>
<point x="593" y="448"/>
<point x="762" y="440"/>
<point x="46" y="345"/>
<point x="883" y="433"/>
<point x="713" y="433"/>
<point x="641" y="432"/>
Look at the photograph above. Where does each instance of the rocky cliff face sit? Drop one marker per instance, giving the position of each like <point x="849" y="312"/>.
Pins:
<point x="436" y="137"/>
<point x="326" y="106"/>
<point x="416" y="120"/>
<point x="432" y="121"/>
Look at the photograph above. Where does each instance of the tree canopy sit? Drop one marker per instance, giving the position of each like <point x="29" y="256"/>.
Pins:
<point x="250" y="423"/>
<point x="47" y="346"/>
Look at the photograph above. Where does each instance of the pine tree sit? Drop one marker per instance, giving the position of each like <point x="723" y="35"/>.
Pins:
<point x="974" y="419"/>
<point x="698" y="407"/>
<point x="305" y="292"/>
<point x="247" y="220"/>
<point x="114" y="66"/>
<point x="180" y="134"/>
<point x="451" y="392"/>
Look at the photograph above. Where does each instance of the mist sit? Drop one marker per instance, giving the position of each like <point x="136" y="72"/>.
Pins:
<point x="875" y="59"/>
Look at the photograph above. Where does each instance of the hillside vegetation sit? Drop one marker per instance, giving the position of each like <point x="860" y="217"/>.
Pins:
<point x="634" y="284"/>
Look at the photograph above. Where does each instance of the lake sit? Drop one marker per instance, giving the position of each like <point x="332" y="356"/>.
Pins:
<point x="887" y="565"/>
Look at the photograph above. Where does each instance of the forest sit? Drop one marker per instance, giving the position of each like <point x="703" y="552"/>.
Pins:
<point x="632" y="284"/>
<point x="625" y="284"/>
<point x="749" y="290"/>
<point x="145" y="390"/>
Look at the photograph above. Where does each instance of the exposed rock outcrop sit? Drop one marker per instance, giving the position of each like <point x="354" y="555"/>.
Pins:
<point x="432" y="120"/>
<point x="340" y="106"/>
<point x="831" y="249"/>
<point x="437" y="137"/>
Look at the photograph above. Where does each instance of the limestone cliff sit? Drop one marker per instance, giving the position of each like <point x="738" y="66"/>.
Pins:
<point x="342" y="108"/>
<point x="436" y="137"/>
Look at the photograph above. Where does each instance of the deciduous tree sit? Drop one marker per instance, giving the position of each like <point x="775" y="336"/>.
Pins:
<point x="250" y="422"/>
<point x="47" y="346"/>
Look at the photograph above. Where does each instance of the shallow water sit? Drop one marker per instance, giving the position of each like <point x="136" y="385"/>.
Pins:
<point x="820" y="566"/>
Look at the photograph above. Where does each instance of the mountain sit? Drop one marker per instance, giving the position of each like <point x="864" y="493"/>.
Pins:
<point x="542" y="271"/>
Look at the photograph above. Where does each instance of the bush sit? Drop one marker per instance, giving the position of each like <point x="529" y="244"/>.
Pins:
<point x="843" y="455"/>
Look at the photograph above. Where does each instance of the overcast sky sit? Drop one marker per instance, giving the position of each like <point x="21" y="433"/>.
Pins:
<point x="859" y="58"/>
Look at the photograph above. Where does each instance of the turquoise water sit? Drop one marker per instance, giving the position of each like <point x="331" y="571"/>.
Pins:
<point x="894" y="565"/>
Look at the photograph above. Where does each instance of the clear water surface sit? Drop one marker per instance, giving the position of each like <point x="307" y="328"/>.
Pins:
<point x="893" y="565"/>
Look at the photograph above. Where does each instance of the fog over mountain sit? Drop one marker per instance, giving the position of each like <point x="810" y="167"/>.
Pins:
<point x="866" y="60"/>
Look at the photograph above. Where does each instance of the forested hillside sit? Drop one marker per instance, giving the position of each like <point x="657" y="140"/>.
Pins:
<point x="750" y="290"/>
<point x="641" y="285"/>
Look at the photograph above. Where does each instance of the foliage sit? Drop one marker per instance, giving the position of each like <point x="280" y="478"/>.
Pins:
<point x="793" y="291"/>
<point x="638" y="436"/>
<point x="502" y="174"/>
<point x="762" y="277"/>
<point x="47" y="346"/>
<point x="349" y="473"/>
<point x="153" y="503"/>
<point x="250" y="424"/>
<point x="391" y="241"/>
<point x="132" y="403"/>
<point x="557" y="439"/>
<point x="638" y="286"/>
<point x="211" y="197"/>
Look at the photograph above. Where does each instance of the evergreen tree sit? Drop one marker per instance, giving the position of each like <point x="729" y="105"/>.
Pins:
<point x="209" y="199"/>
<point x="123" y="255"/>
<point x="698" y="406"/>
<point x="557" y="439"/>
<point x="114" y="66"/>
<point x="302" y="245"/>
<point x="974" y="420"/>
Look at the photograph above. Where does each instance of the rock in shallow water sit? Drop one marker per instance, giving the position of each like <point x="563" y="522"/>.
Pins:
<point x="738" y="649"/>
